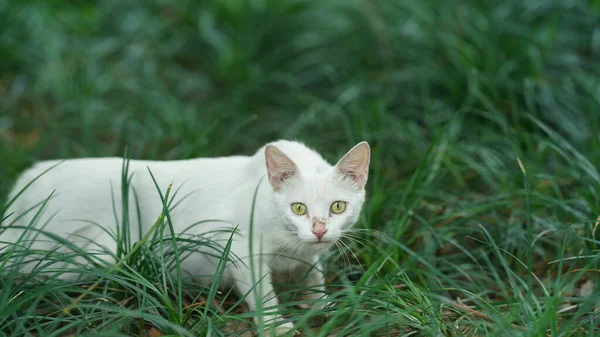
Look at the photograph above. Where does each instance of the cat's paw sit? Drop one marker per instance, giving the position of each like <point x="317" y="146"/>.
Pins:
<point x="285" y="329"/>
<point x="316" y="306"/>
<point x="303" y="306"/>
<point x="320" y="302"/>
<point x="322" y="305"/>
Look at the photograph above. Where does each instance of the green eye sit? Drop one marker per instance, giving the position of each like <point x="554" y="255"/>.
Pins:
<point x="299" y="208"/>
<point x="338" y="207"/>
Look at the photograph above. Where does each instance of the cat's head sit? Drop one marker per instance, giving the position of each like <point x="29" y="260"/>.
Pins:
<point x="319" y="205"/>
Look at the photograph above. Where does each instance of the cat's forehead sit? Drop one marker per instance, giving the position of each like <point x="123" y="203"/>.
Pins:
<point x="316" y="185"/>
<point x="319" y="173"/>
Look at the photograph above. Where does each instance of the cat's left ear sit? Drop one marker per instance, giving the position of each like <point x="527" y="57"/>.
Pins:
<point x="279" y="166"/>
<point x="355" y="164"/>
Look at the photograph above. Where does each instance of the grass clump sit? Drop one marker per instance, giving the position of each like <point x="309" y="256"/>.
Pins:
<point x="483" y="117"/>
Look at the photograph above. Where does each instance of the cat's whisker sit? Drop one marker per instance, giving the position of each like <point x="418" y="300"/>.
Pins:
<point x="364" y="243"/>
<point x="292" y="243"/>
<point x="354" y="229"/>
<point x="289" y="239"/>
<point x="368" y="232"/>
<point x="344" y="255"/>
<point x="357" y="234"/>
<point x="285" y="245"/>
<point x="352" y="252"/>
<point x="346" y="260"/>
<point x="293" y="250"/>
<point x="356" y="237"/>
<point x="360" y="234"/>
<point x="296" y="255"/>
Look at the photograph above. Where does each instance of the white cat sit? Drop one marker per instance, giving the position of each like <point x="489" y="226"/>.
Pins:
<point x="303" y="205"/>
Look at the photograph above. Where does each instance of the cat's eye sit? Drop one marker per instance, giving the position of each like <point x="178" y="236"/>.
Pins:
<point x="299" y="208"/>
<point x="338" y="207"/>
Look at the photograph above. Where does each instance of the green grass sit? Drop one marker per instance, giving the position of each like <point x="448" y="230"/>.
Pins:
<point x="483" y="117"/>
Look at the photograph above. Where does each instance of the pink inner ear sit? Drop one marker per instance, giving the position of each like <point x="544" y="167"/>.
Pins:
<point x="355" y="163"/>
<point x="279" y="166"/>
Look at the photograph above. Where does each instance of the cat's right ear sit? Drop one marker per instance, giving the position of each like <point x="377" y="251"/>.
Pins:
<point x="355" y="164"/>
<point x="279" y="166"/>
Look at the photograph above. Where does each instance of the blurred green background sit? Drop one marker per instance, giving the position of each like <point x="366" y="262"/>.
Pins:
<point x="478" y="112"/>
<point x="179" y="79"/>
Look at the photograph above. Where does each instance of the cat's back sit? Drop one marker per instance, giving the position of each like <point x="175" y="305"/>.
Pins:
<point x="90" y="185"/>
<point x="44" y="177"/>
<point x="79" y="172"/>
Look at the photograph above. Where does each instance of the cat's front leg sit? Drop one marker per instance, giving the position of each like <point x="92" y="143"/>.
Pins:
<point x="315" y="283"/>
<point x="262" y="289"/>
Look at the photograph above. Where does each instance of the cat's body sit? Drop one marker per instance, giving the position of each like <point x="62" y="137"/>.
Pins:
<point x="208" y="189"/>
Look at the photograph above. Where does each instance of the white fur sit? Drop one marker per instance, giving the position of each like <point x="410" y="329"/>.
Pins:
<point x="209" y="188"/>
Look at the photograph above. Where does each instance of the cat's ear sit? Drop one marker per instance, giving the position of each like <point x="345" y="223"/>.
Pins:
<point x="279" y="166"/>
<point x="355" y="164"/>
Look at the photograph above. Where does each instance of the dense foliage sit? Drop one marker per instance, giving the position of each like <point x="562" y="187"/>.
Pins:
<point x="483" y="209"/>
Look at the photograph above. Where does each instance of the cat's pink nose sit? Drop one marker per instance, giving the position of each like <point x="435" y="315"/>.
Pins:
<point x="319" y="232"/>
<point x="319" y="229"/>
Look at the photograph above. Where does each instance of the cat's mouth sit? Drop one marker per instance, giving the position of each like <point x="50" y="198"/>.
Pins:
<point x="321" y="243"/>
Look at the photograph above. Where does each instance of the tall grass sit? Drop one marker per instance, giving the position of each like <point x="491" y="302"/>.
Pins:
<point x="483" y="119"/>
